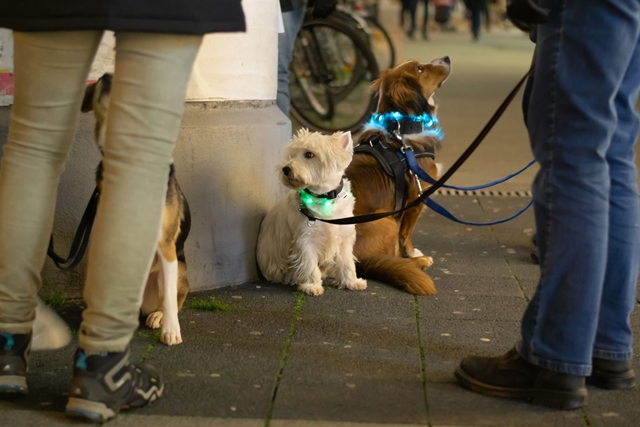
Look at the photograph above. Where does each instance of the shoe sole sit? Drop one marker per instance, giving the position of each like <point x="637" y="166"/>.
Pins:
<point x="13" y="385"/>
<point x="608" y="381"/>
<point x="556" y="399"/>
<point x="92" y="411"/>
<point x="88" y="410"/>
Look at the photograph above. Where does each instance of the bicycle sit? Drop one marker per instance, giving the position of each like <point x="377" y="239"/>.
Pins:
<point x="331" y="71"/>
<point x="363" y="16"/>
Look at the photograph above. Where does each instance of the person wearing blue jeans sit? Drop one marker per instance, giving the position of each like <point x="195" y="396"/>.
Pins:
<point x="583" y="125"/>
<point x="292" y="16"/>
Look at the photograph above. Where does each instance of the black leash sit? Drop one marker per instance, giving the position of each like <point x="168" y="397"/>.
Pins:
<point x="359" y="219"/>
<point x="80" y="240"/>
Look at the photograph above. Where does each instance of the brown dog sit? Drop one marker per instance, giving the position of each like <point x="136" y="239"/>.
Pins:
<point x="384" y="248"/>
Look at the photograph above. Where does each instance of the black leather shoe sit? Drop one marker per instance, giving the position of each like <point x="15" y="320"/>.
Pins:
<point x="512" y="376"/>
<point x="612" y="374"/>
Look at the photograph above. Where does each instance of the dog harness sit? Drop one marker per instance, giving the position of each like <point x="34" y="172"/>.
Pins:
<point x="393" y="163"/>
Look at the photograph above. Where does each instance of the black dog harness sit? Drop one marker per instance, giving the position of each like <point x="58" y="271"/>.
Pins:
<point x="393" y="163"/>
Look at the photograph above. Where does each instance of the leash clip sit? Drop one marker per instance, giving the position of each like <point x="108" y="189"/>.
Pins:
<point x="311" y="221"/>
<point x="405" y="146"/>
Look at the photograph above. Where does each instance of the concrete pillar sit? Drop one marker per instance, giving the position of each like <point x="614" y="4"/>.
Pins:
<point x="231" y="139"/>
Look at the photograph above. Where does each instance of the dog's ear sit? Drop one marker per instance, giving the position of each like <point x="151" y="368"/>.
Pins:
<point x="400" y="91"/>
<point x="376" y="85"/>
<point x="346" y="142"/>
<point x="87" y="102"/>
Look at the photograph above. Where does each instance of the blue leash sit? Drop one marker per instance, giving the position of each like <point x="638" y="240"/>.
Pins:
<point x="415" y="168"/>
<point x="441" y="210"/>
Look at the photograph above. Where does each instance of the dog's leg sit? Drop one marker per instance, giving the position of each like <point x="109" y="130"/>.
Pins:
<point x="169" y="266"/>
<point x="306" y="272"/>
<point x="407" y="225"/>
<point x="183" y="284"/>
<point x="153" y="296"/>
<point x="344" y="269"/>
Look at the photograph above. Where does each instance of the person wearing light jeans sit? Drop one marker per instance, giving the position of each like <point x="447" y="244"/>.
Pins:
<point x="54" y="48"/>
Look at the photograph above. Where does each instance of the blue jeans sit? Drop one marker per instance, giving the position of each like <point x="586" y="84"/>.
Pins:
<point x="292" y="23"/>
<point x="583" y="126"/>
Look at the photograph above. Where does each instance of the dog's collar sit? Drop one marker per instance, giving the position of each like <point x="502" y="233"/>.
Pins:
<point x="308" y="197"/>
<point x="405" y="124"/>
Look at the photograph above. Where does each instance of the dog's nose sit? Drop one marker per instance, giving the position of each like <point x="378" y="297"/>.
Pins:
<point x="447" y="60"/>
<point x="286" y="170"/>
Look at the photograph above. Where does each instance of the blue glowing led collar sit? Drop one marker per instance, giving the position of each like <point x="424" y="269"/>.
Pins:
<point x="405" y="124"/>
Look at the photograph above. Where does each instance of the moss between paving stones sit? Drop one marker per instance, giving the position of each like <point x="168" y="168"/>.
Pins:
<point x="211" y="304"/>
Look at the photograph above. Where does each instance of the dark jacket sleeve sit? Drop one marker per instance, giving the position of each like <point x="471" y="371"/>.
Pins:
<point x="286" y="5"/>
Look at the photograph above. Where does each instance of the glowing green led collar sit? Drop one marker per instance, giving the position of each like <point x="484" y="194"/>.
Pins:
<point x="309" y="198"/>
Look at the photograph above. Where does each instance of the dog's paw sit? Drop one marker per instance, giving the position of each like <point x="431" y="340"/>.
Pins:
<point x="312" y="289"/>
<point x="416" y="253"/>
<point x="154" y="320"/>
<point x="423" y="262"/>
<point x="357" y="285"/>
<point x="171" y="337"/>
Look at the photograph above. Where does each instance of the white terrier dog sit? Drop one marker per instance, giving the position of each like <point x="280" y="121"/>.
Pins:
<point x="291" y="249"/>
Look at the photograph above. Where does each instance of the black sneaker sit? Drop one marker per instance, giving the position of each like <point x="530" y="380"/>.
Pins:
<point x="511" y="376"/>
<point x="14" y="352"/>
<point x="612" y="374"/>
<point x="103" y="384"/>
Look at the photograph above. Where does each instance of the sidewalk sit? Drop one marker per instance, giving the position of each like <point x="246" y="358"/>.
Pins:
<point x="380" y="356"/>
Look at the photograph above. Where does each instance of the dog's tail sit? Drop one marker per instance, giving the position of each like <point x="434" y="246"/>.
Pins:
<point x="403" y="273"/>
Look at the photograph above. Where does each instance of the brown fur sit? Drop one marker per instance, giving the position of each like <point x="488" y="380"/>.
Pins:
<point x="381" y="244"/>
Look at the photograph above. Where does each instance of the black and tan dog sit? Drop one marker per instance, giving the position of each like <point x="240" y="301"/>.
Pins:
<point x="167" y="286"/>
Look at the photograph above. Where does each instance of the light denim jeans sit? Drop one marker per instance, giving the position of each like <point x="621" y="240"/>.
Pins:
<point x="147" y="102"/>
<point x="292" y="23"/>
<point x="583" y="126"/>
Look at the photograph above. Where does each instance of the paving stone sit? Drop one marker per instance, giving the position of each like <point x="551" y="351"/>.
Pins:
<point x="364" y="384"/>
<point x="217" y="379"/>
<point x="446" y="342"/>
<point x="46" y="419"/>
<point x="354" y="358"/>
<point x="377" y="300"/>
<point x="228" y="362"/>
<point x="450" y="306"/>
<point x="461" y="285"/>
<point x="302" y="423"/>
<point x="451" y="405"/>
<point x="255" y="296"/>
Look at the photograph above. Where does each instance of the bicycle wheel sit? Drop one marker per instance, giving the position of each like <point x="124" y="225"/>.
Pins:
<point x="373" y="34"/>
<point x="309" y="76"/>
<point x="350" y="66"/>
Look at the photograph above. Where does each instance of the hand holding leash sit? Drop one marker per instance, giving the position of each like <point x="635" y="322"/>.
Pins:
<point x="525" y="14"/>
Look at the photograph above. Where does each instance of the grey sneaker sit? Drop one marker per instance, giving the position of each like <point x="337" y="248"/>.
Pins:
<point x="14" y="352"/>
<point x="104" y="384"/>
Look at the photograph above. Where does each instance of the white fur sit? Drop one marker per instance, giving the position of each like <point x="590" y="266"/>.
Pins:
<point x="168" y="281"/>
<point x="290" y="249"/>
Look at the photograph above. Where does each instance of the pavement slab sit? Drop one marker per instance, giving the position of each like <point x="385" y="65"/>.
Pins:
<point x="354" y="357"/>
